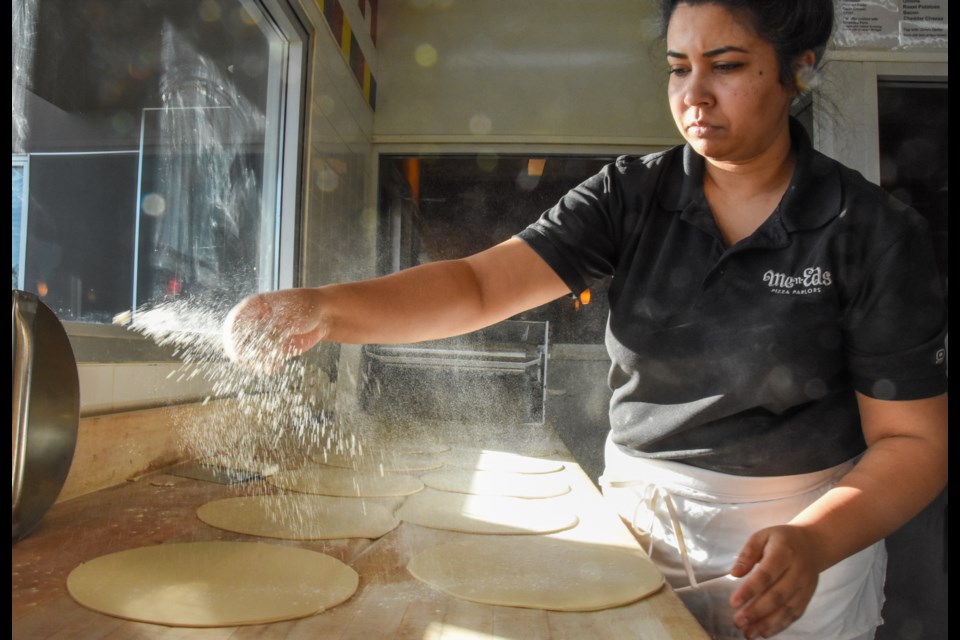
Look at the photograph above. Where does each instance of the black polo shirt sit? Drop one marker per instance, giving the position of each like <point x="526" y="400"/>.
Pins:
<point x="745" y="359"/>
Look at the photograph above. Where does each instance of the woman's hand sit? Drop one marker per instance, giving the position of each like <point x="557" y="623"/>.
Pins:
<point x="782" y="568"/>
<point x="902" y="471"/>
<point x="265" y="329"/>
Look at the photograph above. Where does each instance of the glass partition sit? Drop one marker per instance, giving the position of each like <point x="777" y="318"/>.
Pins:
<point x="157" y="135"/>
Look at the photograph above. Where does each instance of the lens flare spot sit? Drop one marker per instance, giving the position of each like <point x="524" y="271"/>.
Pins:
<point x="425" y="55"/>
<point x="326" y="179"/>
<point x="154" y="205"/>
<point x="481" y="124"/>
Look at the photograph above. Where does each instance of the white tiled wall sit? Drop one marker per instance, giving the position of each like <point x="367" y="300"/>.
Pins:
<point x="110" y="387"/>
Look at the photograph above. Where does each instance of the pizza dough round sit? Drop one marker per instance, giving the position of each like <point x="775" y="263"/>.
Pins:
<point x="488" y="460"/>
<point x="497" y="483"/>
<point x="538" y="572"/>
<point x="422" y="447"/>
<point x="299" y="517"/>
<point x="486" y="514"/>
<point x="212" y="584"/>
<point x="404" y="445"/>
<point x="380" y="461"/>
<point x="331" y="481"/>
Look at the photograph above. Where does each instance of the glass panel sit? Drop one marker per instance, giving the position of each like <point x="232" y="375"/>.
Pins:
<point x="17" y="184"/>
<point x="80" y="230"/>
<point x="153" y="129"/>
<point x="199" y="204"/>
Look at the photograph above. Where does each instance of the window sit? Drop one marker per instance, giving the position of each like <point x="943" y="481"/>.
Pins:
<point x="155" y="151"/>
<point x="437" y="207"/>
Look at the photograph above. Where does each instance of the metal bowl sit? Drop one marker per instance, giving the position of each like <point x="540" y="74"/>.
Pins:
<point x="46" y="410"/>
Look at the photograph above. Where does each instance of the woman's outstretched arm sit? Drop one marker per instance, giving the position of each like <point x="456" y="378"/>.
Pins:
<point x="426" y="302"/>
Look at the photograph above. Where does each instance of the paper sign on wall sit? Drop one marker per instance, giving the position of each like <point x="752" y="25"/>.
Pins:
<point x="891" y="24"/>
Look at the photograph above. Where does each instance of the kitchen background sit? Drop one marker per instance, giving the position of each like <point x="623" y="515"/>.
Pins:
<point x="183" y="150"/>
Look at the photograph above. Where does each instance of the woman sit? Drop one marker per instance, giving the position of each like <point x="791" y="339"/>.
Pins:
<point x="776" y="333"/>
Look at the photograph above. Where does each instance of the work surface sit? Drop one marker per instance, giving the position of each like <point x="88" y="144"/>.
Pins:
<point x="389" y="603"/>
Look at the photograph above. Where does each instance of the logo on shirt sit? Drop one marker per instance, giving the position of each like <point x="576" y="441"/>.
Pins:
<point x="811" y="280"/>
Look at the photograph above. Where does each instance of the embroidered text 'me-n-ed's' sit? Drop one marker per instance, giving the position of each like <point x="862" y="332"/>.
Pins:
<point x="811" y="280"/>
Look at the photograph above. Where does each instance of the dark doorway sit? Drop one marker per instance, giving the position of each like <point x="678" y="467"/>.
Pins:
<point x="913" y="167"/>
<point x="450" y="206"/>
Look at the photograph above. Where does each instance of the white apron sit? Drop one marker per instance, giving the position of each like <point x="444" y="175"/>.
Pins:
<point x="695" y="522"/>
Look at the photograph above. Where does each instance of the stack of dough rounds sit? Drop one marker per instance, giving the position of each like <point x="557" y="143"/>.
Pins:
<point x="497" y="483"/>
<point x="486" y="514"/>
<point x="299" y="517"/>
<point x="333" y="481"/>
<point x="488" y="460"/>
<point x="212" y="584"/>
<point x="538" y="572"/>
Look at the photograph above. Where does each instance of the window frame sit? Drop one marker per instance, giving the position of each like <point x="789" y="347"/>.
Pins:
<point x="22" y="160"/>
<point x="851" y="88"/>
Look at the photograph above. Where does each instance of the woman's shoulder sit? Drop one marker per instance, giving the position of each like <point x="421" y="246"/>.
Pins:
<point x="647" y="161"/>
<point x="636" y="172"/>
<point x="865" y="202"/>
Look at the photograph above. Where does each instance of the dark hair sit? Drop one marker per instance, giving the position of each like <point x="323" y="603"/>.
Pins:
<point x="790" y="27"/>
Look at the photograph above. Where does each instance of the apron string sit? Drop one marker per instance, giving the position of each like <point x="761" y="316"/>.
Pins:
<point x="651" y="494"/>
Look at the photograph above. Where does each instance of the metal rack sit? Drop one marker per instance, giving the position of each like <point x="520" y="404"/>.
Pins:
<point x="497" y="373"/>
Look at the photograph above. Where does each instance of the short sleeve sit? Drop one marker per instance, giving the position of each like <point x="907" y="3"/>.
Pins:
<point x="584" y="236"/>
<point x="576" y="237"/>
<point x="896" y="325"/>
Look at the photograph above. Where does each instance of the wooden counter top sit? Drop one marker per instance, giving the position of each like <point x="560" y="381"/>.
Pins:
<point x="390" y="603"/>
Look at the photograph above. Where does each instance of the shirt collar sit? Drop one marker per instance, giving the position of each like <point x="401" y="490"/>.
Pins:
<point x="812" y="199"/>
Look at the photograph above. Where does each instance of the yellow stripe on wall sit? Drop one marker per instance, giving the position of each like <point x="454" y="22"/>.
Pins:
<point x="345" y="39"/>
<point x="366" y="80"/>
<point x="342" y="33"/>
